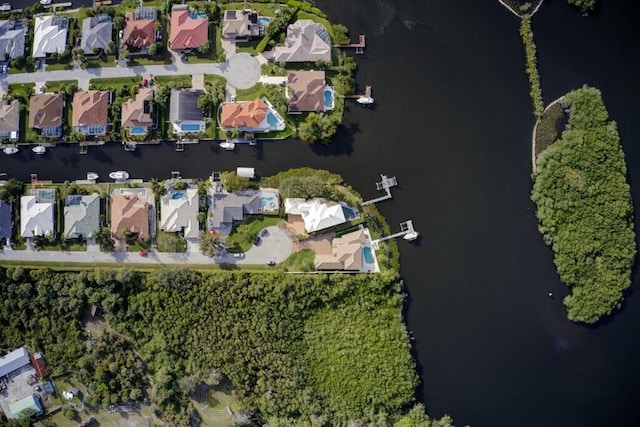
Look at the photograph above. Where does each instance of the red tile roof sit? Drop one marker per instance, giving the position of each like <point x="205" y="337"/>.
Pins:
<point x="139" y="33"/>
<point x="247" y="115"/>
<point x="187" y="32"/>
<point x="38" y="364"/>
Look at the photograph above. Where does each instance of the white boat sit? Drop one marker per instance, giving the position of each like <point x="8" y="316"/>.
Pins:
<point x="45" y="2"/>
<point x="40" y="149"/>
<point x="363" y="100"/>
<point x="10" y="150"/>
<point x="5" y="7"/>
<point x="92" y="176"/>
<point x="119" y="175"/>
<point x="227" y="145"/>
<point x="411" y="236"/>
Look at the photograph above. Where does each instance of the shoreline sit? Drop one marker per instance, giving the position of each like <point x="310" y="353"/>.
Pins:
<point x="518" y="14"/>
<point x="535" y="131"/>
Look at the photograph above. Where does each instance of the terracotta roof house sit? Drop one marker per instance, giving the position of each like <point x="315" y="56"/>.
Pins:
<point x="96" y="33"/>
<point x="12" y="37"/>
<point x="179" y="212"/>
<point x="36" y="217"/>
<point x="317" y="214"/>
<point x="130" y="213"/>
<point x="90" y="112"/>
<point x="81" y="216"/>
<point x="137" y="113"/>
<point x="45" y="114"/>
<point x="346" y="253"/>
<point x="5" y="220"/>
<point x="242" y="24"/>
<point x="249" y="116"/>
<point x="189" y="29"/>
<point x="184" y="113"/>
<point x="50" y="35"/>
<point x="139" y="30"/>
<point x="306" y="42"/>
<point x="10" y="120"/>
<point x="308" y="91"/>
<point x="230" y="207"/>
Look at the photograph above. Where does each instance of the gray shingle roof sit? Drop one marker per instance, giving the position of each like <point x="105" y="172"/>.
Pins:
<point x="10" y="116"/>
<point x="96" y="33"/>
<point x="81" y="216"/>
<point x="5" y="220"/>
<point x="11" y="39"/>
<point x="232" y="207"/>
<point x="184" y="105"/>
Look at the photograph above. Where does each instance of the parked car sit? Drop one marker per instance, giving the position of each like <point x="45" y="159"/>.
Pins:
<point x="257" y="240"/>
<point x="240" y="255"/>
<point x="264" y="233"/>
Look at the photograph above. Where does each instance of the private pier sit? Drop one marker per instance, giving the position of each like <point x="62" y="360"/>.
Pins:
<point x="359" y="47"/>
<point x="384" y="185"/>
<point x="406" y="231"/>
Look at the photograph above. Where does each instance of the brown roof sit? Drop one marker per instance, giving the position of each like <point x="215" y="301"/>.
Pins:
<point x="133" y="113"/>
<point x="187" y="32"/>
<point x="138" y="33"/>
<point x="45" y="110"/>
<point x="128" y="212"/>
<point x="90" y="108"/>
<point x="38" y="364"/>
<point x="243" y="115"/>
<point x="346" y="253"/>
<point x="306" y="90"/>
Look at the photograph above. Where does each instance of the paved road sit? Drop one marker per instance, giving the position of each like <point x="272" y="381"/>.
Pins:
<point x="277" y="246"/>
<point x="242" y="71"/>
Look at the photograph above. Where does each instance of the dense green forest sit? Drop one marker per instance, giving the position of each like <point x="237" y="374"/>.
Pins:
<point x="584" y="208"/>
<point x="299" y="349"/>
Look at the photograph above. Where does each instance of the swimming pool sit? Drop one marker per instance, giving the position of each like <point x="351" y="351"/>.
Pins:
<point x="368" y="255"/>
<point x="349" y="213"/>
<point x="177" y="195"/>
<point x="190" y="127"/>
<point x="137" y="131"/>
<point x="264" y="21"/>
<point x="272" y="120"/>
<point x="268" y="203"/>
<point x="328" y="100"/>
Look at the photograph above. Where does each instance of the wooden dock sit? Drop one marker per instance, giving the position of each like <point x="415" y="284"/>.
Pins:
<point x="384" y="185"/>
<point x="405" y="228"/>
<point x="359" y="47"/>
<point x="365" y="95"/>
<point x="98" y="3"/>
<point x="59" y="5"/>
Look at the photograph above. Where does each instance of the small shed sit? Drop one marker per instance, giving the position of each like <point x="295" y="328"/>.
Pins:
<point x="246" y="172"/>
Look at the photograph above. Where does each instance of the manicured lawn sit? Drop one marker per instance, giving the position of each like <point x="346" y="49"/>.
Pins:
<point x="103" y="61"/>
<point x="24" y="91"/>
<point x="114" y="83"/>
<point x="170" y="242"/>
<point x="55" y="66"/>
<point x="176" y="81"/>
<point x="74" y="245"/>
<point x="248" y="47"/>
<point x="25" y="69"/>
<point x="299" y="261"/>
<point x="251" y="93"/>
<point x="241" y="238"/>
<point x="210" y="78"/>
<point x="58" y="85"/>
<point x="143" y="60"/>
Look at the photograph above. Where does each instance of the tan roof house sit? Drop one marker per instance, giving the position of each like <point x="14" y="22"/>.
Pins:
<point x="129" y="213"/>
<point x="10" y="120"/>
<point x="189" y="29"/>
<point x="346" y="253"/>
<point x="45" y="114"/>
<point x="137" y="113"/>
<point x="90" y="112"/>
<point x="308" y="91"/>
<point x="306" y="42"/>
<point x="139" y="30"/>
<point x="240" y="24"/>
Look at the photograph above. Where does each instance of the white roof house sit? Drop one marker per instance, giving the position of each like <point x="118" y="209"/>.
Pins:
<point x="317" y="214"/>
<point x="14" y="360"/>
<point x="50" y="35"/>
<point x="36" y="218"/>
<point x="306" y="41"/>
<point x="179" y="211"/>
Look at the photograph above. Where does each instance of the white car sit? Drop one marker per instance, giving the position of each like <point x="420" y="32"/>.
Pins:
<point x="240" y="255"/>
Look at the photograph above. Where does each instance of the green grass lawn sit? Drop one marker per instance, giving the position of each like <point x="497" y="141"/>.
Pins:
<point x="58" y="85"/>
<point x="299" y="261"/>
<point x="252" y="93"/>
<point x="217" y="400"/>
<point x="114" y="83"/>
<point x="103" y="61"/>
<point x="24" y="91"/>
<point x="73" y="245"/>
<point x="248" y="47"/>
<point x="143" y="60"/>
<point x="241" y="238"/>
<point x="210" y="78"/>
<point x="177" y="81"/>
<point x="170" y="242"/>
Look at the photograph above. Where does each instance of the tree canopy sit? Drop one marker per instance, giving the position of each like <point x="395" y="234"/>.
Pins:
<point x="584" y="208"/>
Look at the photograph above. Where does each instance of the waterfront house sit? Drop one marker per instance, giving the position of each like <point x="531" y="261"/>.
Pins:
<point x="244" y="116"/>
<point x="189" y="28"/>
<point x="137" y="113"/>
<point x="30" y="403"/>
<point x="243" y="24"/>
<point x="129" y="213"/>
<point x="179" y="212"/>
<point x="96" y="33"/>
<point x="307" y="91"/>
<point x="45" y="114"/>
<point x="306" y="41"/>
<point x="37" y="213"/>
<point x="140" y="29"/>
<point x="12" y="37"/>
<point x="5" y="220"/>
<point x="317" y="214"/>
<point x="9" y="120"/>
<point x="346" y="253"/>
<point x="50" y="35"/>
<point x="90" y="112"/>
<point x="184" y="114"/>
<point x="81" y="216"/>
<point x="228" y="208"/>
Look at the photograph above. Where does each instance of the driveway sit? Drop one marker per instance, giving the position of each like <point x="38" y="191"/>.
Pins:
<point x="276" y="246"/>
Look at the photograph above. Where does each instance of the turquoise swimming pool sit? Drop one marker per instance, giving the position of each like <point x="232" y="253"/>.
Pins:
<point x="190" y="127"/>
<point x="264" y="21"/>
<point x="368" y="255"/>
<point x="328" y="99"/>
<point x="176" y="196"/>
<point x="137" y="131"/>
<point x="272" y="120"/>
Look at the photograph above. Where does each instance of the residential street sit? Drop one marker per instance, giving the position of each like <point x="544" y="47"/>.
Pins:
<point x="242" y="71"/>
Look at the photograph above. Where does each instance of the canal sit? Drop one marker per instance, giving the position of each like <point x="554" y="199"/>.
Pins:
<point x="452" y="122"/>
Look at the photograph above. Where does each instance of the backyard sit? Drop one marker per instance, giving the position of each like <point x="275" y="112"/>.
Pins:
<point x="170" y="242"/>
<point x="242" y="236"/>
